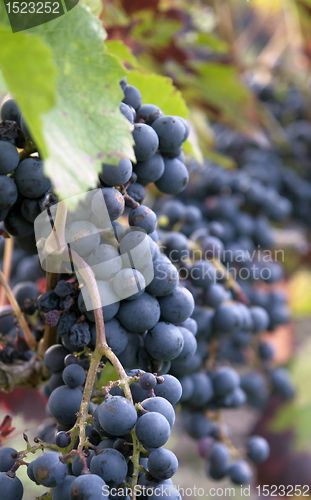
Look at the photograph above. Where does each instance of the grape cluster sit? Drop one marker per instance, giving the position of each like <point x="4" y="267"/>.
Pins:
<point x="211" y="297"/>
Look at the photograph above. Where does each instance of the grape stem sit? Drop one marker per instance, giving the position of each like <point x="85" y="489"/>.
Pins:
<point x="31" y="341"/>
<point x="231" y="283"/>
<point x="28" y="150"/>
<point x="7" y="263"/>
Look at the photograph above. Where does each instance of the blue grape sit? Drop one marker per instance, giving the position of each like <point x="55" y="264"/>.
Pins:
<point x="165" y="279"/>
<point x="73" y="375"/>
<point x="9" y="157"/>
<point x="164" y="491"/>
<point x="202" y="274"/>
<point x="29" y="178"/>
<point x="137" y="192"/>
<point x="224" y="381"/>
<point x="160" y="405"/>
<point x="164" y="341"/>
<point x="25" y="290"/>
<point x="127" y="111"/>
<point x="146" y="141"/>
<point x="116" y="175"/>
<point x="77" y="465"/>
<point x="140" y="314"/>
<point x="106" y="292"/>
<point x="108" y="199"/>
<point x="148" y="113"/>
<point x="190" y="324"/>
<point x="10" y="111"/>
<point x="162" y="464"/>
<point x="62" y="439"/>
<point x="260" y="319"/>
<point x="8" y="192"/>
<point x="132" y="96"/>
<point x="116" y="335"/>
<point x="240" y="472"/>
<point x="282" y="383"/>
<point x="258" y="449"/>
<point x="3" y="213"/>
<point x="11" y="487"/>
<point x="198" y="425"/>
<point x="6" y="459"/>
<point x="219" y="455"/>
<point x="171" y="132"/>
<point x="30" y="473"/>
<point x="227" y="319"/>
<point x="187" y="385"/>
<point x="150" y="170"/>
<point x="147" y="381"/>
<point x="54" y="358"/>
<point x="213" y="248"/>
<point x="265" y="351"/>
<point x="83" y="237"/>
<point x="105" y="261"/>
<point x="30" y="209"/>
<point x="175" y="177"/>
<point x="144" y="218"/>
<point x="88" y="487"/>
<point x="176" y="246"/>
<point x="152" y="430"/>
<point x="203" y="391"/>
<point x="234" y="399"/>
<point x="80" y="335"/>
<point x="174" y="210"/>
<point x="110" y="465"/>
<point x="49" y="470"/>
<point x="170" y="389"/>
<point x="217" y="473"/>
<point x="189" y="346"/>
<point x="214" y="295"/>
<point x="61" y="492"/>
<point x="129" y="284"/>
<point x="117" y="415"/>
<point x="64" y="403"/>
<point x="178" y="306"/>
<point x="48" y="301"/>
<point x="66" y="321"/>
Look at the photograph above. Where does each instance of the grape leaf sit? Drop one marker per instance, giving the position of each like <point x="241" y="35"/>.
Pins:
<point x="34" y="92"/>
<point x="119" y="49"/>
<point x="85" y="128"/>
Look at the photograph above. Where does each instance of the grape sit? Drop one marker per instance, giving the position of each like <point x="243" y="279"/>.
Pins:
<point x="258" y="449"/>
<point x="164" y="341"/>
<point x="224" y="381"/>
<point x="148" y="113"/>
<point x="171" y="132"/>
<point x="197" y="425"/>
<point x="108" y="200"/>
<point x="140" y="314"/>
<point x="189" y="347"/>
<point x="162" y="464"/>
<point x="117" y="415"/>
<point x="54" y="358"/>
<point x="4" y="213"/>
<point x="10" y="111"/>
<point x="152" y="430"/>
<point x="66" y="321"/>
<point x="136" y="244"/>
<point x="150" y="170"/>
<point x="64" y="288"/>
<point x="77" y="466"/>
<point x="146" y="142"/>
<point x="8" y="192"/>
<point x="49" y="470"/>
<point x="192" y="215"/>
<point x="64" y="404"/>
<point x="217" y="473"/>
<point x="61" y="492"/>
<point x="116" y="335"/>
<point x="203" y="391"/>
<point x="9" y="158"/>
<point x="174" y="210"/>
<point x="48" y="301"/>
<point x="282" y="383"/>
<point x="30" y="209"/>
<point x="73" y="375"/>
<point x="170" y="389"/>
<point x="219" y="455"/>
<point x="144" y="218"/>
<point x="240" y="472"/>
<point x="178" y="306"/>
<point x="11" y="487"/>
<point x="165" y="279"/>
<point x="25" y="290"/>
<point x="30" y="473"/>
<point x="202" y="274"/>
<point x="88" y="487"/>
<point x="164" y="491"/>
<point x="147" y="381"/>
<point x="83" y="237"/>
<point x="132" y="96"/>
<point x="137" y="192"/>
<point x="6" y="459"/>
<point x="260" y="319"/>
<point x="129" y="284"/>
<point x="265" y="351"/>
<point x="227" y="319"/>
<point x="110" y="465"/>
<point x="159" y="405"/>
<point x="214" y="295"/>
<point x="105" y="261"/>
<point x="127" y="112"/>
<point x="80" y="334"/>
<point x="107" y="294"/>
<point x="187" y="385"/>
<point x="234" y="399"/>
<point x="62" y="439"/>
<point x="29" y="178"/>
<point x="129" y="357"/>
<point x="190" y="324"/>
<point x="213" y="248"/>
<point x="113" y="175"/>
<point x="175" y="177"/>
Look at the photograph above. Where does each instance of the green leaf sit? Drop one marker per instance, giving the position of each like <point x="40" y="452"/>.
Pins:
<point x="85" y="128"/>
<point x="108" y="374"/>
<point x="300" y="292"/>
<point x="119" y="49"/>
<point x="154" y="31"/>
<point x="34" y="88"/>
<point x="295" y="415"/>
